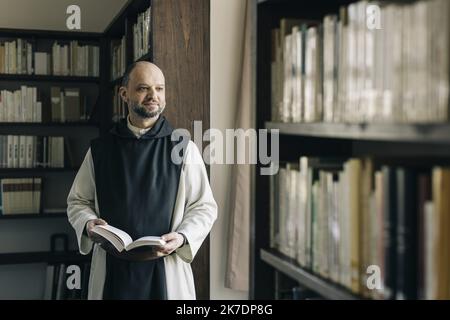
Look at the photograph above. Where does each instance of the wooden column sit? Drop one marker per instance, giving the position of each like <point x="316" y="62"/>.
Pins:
<point x="181" y="50"/>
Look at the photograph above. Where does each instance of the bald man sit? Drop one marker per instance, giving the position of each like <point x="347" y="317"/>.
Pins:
<point x="128" y="180"/>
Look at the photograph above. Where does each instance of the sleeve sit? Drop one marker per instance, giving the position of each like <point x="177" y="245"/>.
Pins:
<point x="81" y="202"/>
<point x="200" y="207"/>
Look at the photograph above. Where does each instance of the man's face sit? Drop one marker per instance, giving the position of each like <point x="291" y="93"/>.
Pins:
<point x="145" y="93"/>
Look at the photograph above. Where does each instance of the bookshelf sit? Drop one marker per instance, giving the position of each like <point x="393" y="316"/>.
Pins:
<point x="77" y="133"/>
<point x="417" y="148"/>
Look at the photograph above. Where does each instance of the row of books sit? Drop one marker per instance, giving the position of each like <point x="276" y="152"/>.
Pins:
<point x="141" y="45"/>
<point x="67" y="105"/>
<point x="120" y="110"/>
<point x="119" y="58"/>
<point x="337" y="218"/>
<point x="141" y="34"/>
<point x="20" y="196"/>
<point x="58" y="286"/>
<point x="374" y="62"/>
<point x="31" y="152"/>
<point x="20" y="105"/>
<point x="19" y="57"/>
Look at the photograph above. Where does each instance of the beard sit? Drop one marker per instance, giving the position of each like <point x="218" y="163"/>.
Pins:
<point x="141" y="111"/>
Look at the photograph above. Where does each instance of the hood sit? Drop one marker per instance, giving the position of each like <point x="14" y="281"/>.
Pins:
<point x="161" y="128"/>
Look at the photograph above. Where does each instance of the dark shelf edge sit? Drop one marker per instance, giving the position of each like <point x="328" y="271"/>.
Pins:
<point x="115" y="81"/>
<point x="323" y="287"/>
<point x="41" y="257"/>
<point x="49" y="124"/>
<point x="51" y="34"/>
<point x="33" y="216"/>
<point x="412" y="133"/>
<point x="38" y="170"/>
<point x="49" y="78"/>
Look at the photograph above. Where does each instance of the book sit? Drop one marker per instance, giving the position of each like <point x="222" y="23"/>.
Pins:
<point x="122" y="240"/>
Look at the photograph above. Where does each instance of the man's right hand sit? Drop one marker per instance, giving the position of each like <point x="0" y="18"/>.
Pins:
<point x="93" y="236"/>
<point x="105" y="244"/>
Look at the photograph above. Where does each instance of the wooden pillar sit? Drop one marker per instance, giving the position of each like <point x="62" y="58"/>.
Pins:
<point x="181" y="49"/>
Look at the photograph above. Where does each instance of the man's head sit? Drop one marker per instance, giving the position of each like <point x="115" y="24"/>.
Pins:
<point x="143" y="89"/>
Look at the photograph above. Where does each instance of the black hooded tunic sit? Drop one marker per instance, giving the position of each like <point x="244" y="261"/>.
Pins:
<point x="136" y="185"/>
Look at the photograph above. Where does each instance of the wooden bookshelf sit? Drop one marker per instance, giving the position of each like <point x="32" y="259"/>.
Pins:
<point x="291" y="268"/>
<point x="77" y="133"/>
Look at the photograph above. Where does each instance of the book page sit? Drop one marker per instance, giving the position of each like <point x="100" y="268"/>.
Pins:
<point x="117" y="237"/>
<point x="146" y="241"/>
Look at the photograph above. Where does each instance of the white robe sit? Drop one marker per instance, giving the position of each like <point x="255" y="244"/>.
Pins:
<point x="194" y="214"/>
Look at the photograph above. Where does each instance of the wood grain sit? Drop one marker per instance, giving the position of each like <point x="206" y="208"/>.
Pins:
<point x="181" y="49"/>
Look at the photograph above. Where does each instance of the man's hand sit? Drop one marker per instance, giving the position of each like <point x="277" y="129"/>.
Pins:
<point x="93" y="236"/>
<point x="105" y="244"/>
<point x="174" y="240"/>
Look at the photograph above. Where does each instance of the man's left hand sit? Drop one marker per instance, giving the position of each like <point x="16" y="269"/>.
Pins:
<point x="174" y="240"/>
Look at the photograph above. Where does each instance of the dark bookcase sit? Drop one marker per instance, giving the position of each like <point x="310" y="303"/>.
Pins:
<point x="419" y="146"/>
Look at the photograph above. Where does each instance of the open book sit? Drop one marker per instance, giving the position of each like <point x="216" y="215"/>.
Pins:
<point x="122" y="240"/>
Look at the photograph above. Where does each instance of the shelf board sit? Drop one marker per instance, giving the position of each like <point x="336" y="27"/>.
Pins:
<point x="50" y="34"/>
<point x="49" y="124"/>
<point x="33" y="216"/>
<point x="115" y="81"/>
<point x="36" y="170"/>
<point x="414" y="133"/>
<point x="49" y="78"/>
<point x="291" y="268"/>
<point x="42" y="257"/>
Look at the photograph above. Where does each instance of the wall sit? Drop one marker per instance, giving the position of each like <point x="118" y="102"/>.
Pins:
<point x="51" y="14"/>
<point x="227" y="30"/>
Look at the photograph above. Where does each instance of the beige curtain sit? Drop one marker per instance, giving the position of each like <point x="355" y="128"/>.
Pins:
<point x="237" y="274"/>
